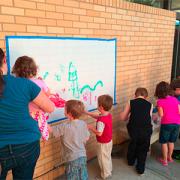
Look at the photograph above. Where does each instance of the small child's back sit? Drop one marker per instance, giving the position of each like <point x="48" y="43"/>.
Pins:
<point x="74" y="135"/>
<point x="170" y="110"/>
<point x="140" y="116"/>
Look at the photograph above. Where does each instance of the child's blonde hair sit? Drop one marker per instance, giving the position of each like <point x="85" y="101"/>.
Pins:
<point x="75" y="107"/>
<point x="141" y="92"/>
<point x="106" y="101"/>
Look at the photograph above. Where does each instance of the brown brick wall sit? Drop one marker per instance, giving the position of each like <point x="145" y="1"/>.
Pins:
<point x="144" y="48"/>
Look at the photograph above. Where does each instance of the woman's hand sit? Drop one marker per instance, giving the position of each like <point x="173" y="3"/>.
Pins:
<point x="90" y="127"/>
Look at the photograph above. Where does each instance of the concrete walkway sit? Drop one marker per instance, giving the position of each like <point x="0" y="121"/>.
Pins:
<point x="154" y="170"/>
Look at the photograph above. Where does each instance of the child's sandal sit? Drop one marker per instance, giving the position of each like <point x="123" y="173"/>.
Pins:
<point x="170" y="160"/>
<point x="163" y="162"/>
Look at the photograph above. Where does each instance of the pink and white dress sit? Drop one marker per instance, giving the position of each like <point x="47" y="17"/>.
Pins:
<point x="37" y="113"/>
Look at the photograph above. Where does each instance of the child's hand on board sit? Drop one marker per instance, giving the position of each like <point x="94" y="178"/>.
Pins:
<point x="85" y="112"/>
<point x="90" y="127"/>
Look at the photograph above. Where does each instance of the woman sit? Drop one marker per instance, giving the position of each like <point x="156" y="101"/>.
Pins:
<point x="19" y="133"/>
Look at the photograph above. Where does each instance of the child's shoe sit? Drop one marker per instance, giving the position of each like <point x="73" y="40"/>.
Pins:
<point x="163" y="162"/>
<point x="170" y="160"/>
<point x="131" y="163"/>
<point x="109" y="177"/>
<point x="98" y="178"/>
<point x="140" y="171"/>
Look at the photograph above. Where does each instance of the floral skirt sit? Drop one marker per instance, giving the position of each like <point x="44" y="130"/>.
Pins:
<point x="42" y="118"/>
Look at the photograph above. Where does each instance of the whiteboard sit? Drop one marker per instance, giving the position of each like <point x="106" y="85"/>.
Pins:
<point x="73" y="68"/>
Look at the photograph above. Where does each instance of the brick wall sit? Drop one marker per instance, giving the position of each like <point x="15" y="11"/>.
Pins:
<point x="144" y="48"/>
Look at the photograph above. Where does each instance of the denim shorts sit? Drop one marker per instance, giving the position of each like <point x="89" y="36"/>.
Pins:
<point x="21" y="159"/>
<point x="168" y="133"/>
<point x="77" y="169"/>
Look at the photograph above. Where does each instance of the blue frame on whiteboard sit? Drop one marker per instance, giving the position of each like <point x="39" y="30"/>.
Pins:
<point x="64" y="38"/>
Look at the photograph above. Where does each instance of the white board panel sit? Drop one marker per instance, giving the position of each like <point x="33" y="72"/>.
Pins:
<point x="73" y="68"/>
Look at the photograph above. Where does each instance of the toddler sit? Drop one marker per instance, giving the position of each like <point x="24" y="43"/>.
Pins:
<point x="25" y="67"/>
<point x="103" y="132"/>
<point x="139" y="111"/>
<point x="74" y="135"/>
<point x="169" y="111"/>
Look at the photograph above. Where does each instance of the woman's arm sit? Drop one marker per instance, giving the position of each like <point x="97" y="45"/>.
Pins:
<point x="179" y="108"/>
<point x="47" y="93"/>
<point x="43" y="102"/>
<point x="124" y="115"/>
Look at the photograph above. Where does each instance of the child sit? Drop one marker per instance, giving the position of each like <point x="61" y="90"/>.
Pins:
<point x="103" y="133"/>
<point x="74" y="134"/>
<point x="25" y="67"/>
<point x="139" y="128"/>
<point x="169" y="111"/>
<point x="175" y="85"/>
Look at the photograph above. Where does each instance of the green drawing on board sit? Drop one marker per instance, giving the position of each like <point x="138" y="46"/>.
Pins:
<point x="73" y="78"/>
<point x="91" y="89"/>
<point x="45" y="75"/>
<point x="57" y="77"/>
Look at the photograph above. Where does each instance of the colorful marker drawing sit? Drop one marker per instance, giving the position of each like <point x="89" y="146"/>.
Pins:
<point x="59" y="74"/>
<point x="57" y="77"/>
<point x="63" y="90"/>
<point x="91" y="89"/>
<point x="45" y="75"/>
<point x="73" y="79"/>
<point x="85" y="96"/>
<point x="87" y="93"/>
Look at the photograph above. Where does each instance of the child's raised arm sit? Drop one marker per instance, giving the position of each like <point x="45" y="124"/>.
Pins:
<point x="124" y="115"/>
<point x="92" y="114"/>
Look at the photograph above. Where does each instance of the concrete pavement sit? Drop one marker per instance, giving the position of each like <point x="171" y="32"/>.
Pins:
<point x="154" y="170"/>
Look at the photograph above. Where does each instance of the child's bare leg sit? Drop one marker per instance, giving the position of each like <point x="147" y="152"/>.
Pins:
<point x="170" y="150"/>
<point x="164" y="149"/>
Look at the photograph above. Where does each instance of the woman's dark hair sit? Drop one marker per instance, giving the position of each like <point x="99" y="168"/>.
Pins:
<point x="163" y="89"/>
<point x="2" y="55"/>
<point x="25" y="67"/>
